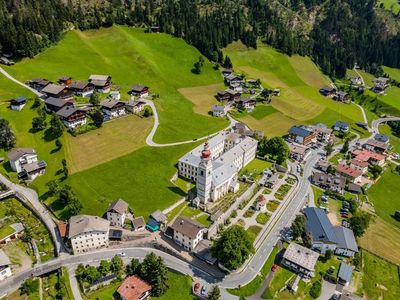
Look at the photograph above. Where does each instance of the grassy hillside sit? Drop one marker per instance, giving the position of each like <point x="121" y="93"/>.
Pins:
<point x="131" y="56"/>
<point x="299" y="80"/>
<point x="384" y="195"/>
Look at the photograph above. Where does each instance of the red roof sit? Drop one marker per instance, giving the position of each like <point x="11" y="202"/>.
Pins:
<point x="346" y="170"/>
<point x="366" y="155"/>
<point x="133" y="288"/>
<point x="63" y="228"/>
<point x="359" y="163"/>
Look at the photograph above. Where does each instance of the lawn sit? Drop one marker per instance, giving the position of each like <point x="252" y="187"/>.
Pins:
<point x="252" y="287"/>
<point x="131" y="56"/>
<point x="205" y="220"/>
<point x="256" y="166"/>
<point x="114" y="139"/>
<point x="253" y="232"/>
<point x="392" y="72"/>
<point x="381" y="238"/>
<point x="203" y="97"/>
<point x="272" y="205"/>
<point x="142" y="178"/>
<point x="383" y="284"/>
<point x="104" y="293"/>
<point x="171" y="215"/>
<point x="260" y="112"/>
<point x="262" y="218"/>
<point x="384" y="196"/>
<point x="6" y="231"/>
<point x="281" y="277"/>
<point x="191" y="212"/>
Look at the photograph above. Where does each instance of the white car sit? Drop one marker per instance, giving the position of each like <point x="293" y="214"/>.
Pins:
<point x="122" y="254"/>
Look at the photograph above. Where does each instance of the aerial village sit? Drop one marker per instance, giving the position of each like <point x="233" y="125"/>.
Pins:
<point x="226" y="191"/>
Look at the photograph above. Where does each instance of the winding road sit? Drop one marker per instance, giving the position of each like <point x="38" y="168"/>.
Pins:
<point x="249" y="272"/>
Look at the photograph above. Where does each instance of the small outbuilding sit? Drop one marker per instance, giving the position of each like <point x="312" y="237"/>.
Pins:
<point x="18" y="103"/>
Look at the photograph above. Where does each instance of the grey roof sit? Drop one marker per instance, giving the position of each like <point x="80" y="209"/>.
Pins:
<point x="85" y="223"/>
<point x="66" y="111"/>
<point x="4" y="260"/>
<point x="134" y="103"/>
<point x="159" y="216"/>
<point x="78" y="84"/>
<point x="17" y="153"/>
<point x="53" y="89"/>
<point x="345" y="272"/>
<point x="319" y="225"/>
<point x="99" y="77"/>
<point x="187" y="227"/>
<point x="381" y="138"/>
<point x="355" y="188"/>
<point x="99" y="82"/>
<point x="219" y="108"/>
<point x="341" y="124"/>
<point x="300" y="131"/>
<point x="345" y="238"/>
<point x="301" y="256"/>
<point x="18" y="227"/>
<point x="138" y="222"/>
<point x="109" y="103"/>
<point x="377" y="144"/>
<point x="138" y="88"/>
<point x="57" y="101"/>
<point x="119" y="206"/>
<point x="223" y="173"/>
<point x="37" y="165"/>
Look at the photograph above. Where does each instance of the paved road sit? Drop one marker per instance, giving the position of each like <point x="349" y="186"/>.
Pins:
<point x="172" y="262"/>
<point x="149" y="139"/>
<point x="255" y="264"/>
<point x="375" y="123"/>
<point x="32" y="198"/>
<point x="19" y="82"/>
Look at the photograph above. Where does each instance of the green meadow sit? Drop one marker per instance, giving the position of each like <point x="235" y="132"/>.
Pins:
<point x="384" y="196"/>
<point x="131" y="56"/>
<point x="299" y="80"/>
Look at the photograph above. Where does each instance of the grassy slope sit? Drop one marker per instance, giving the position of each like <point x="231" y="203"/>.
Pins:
<point x="131" y="56"/>
<point x="142" y="178"/>
<point x="299" y="80"/>
<point x="393" y="73"/>
<point x="392" y="5"/>
<point x="381" y="238"/>
<point x="384" y="195"/>
<point x="394" y="140"/>
<point x="380" y="280"/>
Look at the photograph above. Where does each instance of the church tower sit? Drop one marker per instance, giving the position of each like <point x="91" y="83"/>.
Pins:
<point x="204" y="176"/>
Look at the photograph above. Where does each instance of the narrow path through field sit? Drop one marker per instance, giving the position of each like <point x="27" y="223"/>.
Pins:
<point x="4" y="72"/>
<point x="149" y="139"/>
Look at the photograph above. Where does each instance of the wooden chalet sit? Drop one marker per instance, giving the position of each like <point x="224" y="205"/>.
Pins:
<point x="57" y="91"/>
<point x="139" y="90"/>
<point x="38" y="83"/>
<point x="112" y="108"/>
<point x="55" y="104"/>
<point x="65" y="80"/>
<point x="72" y="117"/>
<point x="102" y="83"/>
<point x="228" y="95"/>
<point x="82" y="88"/>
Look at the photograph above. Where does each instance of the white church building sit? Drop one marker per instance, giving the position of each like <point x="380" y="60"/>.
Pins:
<point x="215" y="165"/>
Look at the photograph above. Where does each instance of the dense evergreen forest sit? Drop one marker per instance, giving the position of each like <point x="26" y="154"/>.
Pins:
<point x="335" y="33"/>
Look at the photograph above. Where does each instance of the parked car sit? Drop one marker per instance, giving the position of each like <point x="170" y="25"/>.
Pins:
<point x="122" y="254"/>
<point x="274" y="268"/>
<point x="203" y="290"/>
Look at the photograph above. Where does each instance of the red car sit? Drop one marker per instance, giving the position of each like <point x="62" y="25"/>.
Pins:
<point x="196" y="288"/>
<point x="274" y="268"/>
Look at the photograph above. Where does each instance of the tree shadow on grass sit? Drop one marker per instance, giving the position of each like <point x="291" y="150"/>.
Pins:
<point x="49" y="135"/>
<point x="177" y="191"/>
